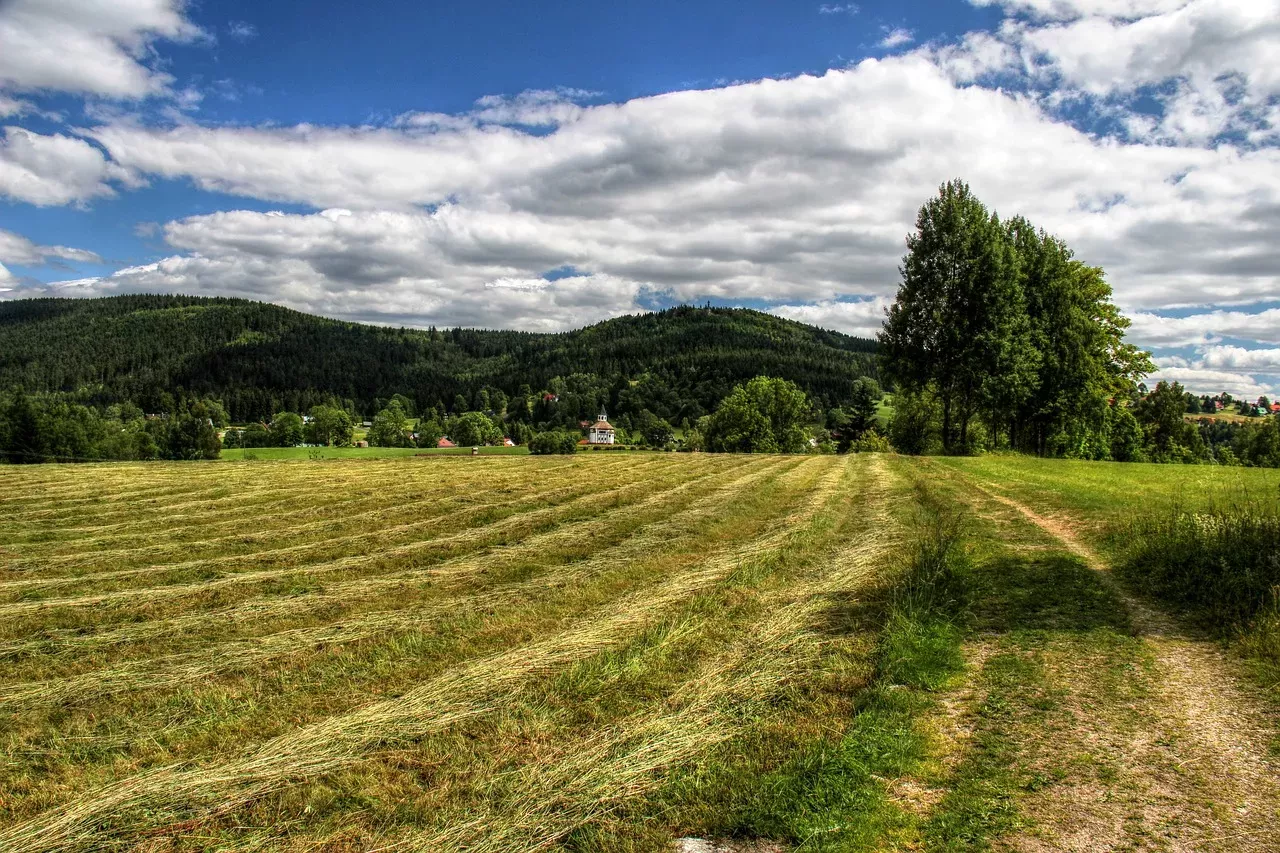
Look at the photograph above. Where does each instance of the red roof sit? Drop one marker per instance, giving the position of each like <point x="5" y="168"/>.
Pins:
<point x="602" y="425"/>
<point x="444" y="442"/>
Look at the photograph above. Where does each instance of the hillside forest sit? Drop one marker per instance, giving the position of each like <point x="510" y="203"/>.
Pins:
<point x="1000" y="339"/>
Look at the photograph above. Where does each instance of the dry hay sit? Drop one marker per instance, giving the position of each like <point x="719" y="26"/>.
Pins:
<point x="165" y="794"/>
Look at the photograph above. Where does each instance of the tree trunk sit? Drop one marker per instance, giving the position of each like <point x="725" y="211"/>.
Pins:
<point x="946" y="423"/>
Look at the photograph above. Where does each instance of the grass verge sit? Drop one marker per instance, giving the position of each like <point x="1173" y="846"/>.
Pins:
<point x="1221" y="566"/>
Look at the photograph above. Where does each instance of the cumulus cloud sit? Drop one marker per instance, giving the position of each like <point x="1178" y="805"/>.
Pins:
<point x="55" y="169"/>
<point x="1208" y="327"/>
<point x="16" y="249"/>
<point x="1239" y="358"/>
<point x="797" y="189"/>
<point x="1203" y="381"/>
<point x="896" y="37"/>
<point x="388" y="267"/>
<point x="87" y="46"/>
<point x="862" y="317"/>
<point x="1210" y="63"/>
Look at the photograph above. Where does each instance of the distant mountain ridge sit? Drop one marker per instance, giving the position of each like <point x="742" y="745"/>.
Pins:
<point x="260" y="358"/>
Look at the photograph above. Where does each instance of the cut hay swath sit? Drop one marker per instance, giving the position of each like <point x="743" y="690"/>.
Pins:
<point x="580" y="496"/>
<point x="274" y="609"/>
<point x="629" y="510"/>
<point x="438" y="516"/>
<point x="188" y="668"/>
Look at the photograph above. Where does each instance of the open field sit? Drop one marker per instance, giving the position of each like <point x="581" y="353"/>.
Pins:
<point x="611" y="652"/>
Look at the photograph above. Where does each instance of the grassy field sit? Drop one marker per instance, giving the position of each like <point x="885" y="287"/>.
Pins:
<point x="612" y="652"/>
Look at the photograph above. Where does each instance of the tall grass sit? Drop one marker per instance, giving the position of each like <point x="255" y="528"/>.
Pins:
<point x="920" y="646"/>
<point x="1221" y="564"/>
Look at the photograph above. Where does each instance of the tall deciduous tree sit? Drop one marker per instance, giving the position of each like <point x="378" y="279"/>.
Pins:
<point x="763" y="416"/>
<point x="960" y="325"/>
<point x="286" y="429"/>
<point x="1079" y="335"/>
<point x="390" y="428"/>
<point x="330" y="426"/>
<point x="473" y="428"/>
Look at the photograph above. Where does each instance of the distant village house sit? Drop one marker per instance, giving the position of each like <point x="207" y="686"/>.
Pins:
<point x="601" y="432"/>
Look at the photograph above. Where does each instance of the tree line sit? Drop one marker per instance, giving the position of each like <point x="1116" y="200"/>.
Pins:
<point x="261" y="359"/>
<point x="1000" y="338"/>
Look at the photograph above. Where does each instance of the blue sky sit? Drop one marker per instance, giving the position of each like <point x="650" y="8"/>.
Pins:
<point x="544" y="166"/>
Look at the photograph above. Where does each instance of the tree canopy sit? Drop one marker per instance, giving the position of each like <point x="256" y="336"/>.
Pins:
<point x="764" y="415"/>
<point x="998" y="322"/>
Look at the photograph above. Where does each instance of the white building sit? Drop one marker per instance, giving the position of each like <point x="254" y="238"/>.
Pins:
<point x="601" y="432"/>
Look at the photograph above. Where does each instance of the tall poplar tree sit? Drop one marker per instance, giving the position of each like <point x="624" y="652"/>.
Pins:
<point x="959" y="325"/>
<point x="1079" y="334"/>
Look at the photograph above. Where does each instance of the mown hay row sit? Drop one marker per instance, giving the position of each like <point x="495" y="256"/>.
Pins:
<point x="536" y="806"/>
<point x="134" y="514"/>
<point x="291" y="478"/>
<point x="169" y="794"/>
<point x="321" y="500"/>
<point x="41" y="491"/>
<point x="186" y="495"/>
<point x="156" y="674"/>
<point x="269" y="610"/>
<point x="458" y="510"/>
<point x="375" y="555"/>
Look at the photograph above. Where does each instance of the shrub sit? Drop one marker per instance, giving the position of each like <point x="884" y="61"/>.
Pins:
<point x="548" y="443"/>
<point x="915" y="425"/>
<point x="871" y="441"/>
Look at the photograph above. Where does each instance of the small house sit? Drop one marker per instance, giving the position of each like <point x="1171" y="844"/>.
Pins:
<point x="444" y="442"/>
<point x="362" y="444"/>
<point x="601" y="432"/>
<point x="506" y="442"/>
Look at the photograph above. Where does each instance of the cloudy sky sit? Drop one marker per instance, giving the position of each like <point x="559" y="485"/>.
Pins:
<point x="545" y="166"/>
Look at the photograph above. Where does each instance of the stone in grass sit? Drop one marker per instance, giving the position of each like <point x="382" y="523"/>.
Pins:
<point x="707" y="845"/>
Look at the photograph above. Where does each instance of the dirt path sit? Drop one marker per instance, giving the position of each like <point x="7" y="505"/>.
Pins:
<point x="1197" y="772"/>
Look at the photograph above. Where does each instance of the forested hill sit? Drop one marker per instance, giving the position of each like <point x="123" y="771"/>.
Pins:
<point x="260" y="358"/>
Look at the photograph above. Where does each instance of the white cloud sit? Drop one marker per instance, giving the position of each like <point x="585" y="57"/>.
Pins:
<point x="54" y="169"/>
<point x="1210" y="63"/>
<point x="88" y="46"/>
<point x="1239" y="358"/>
<point x="1067" y="10"/>
<point x="1202" y="381"/>
<point x="896" y="37"/>
<point x="16" y="249"/>
<point x="788" y="190"/>
<point x="388" y="267"/>
<point x="838" y="9"/>
<point x="242" y="31"/>
<point x="1206" y="328"/>
<point x="863" y="317"/>
<point x="12" y="106"/>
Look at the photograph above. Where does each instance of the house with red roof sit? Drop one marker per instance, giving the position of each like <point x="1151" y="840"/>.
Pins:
<point x="601" y="432"/>
<point x="444" y="442"/>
